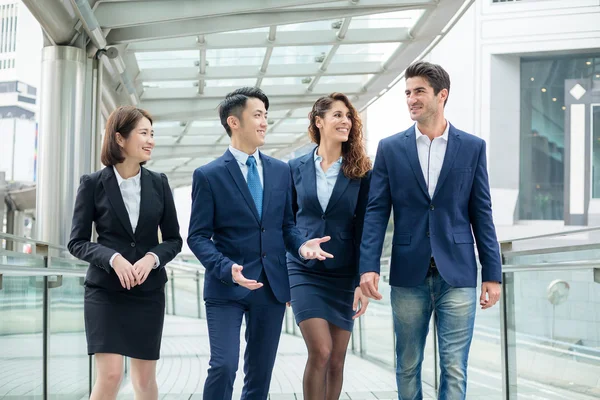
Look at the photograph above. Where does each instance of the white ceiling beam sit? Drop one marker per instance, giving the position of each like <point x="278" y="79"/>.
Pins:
<point x="260" y="39"/>
<point x="252" y="71"/>
<point x="185" y="109"/>
<point x="220" y="92"/>
<point x="166" y="152"/>
<point x="213" y="131"/>
<point x="120" y="14"/>
<point x="203" y="26"/>
<point x="125" y="14"/>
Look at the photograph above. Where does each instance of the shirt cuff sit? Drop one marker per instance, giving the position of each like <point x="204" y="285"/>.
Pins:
<point x="300" y="254"/>
<point x="156" y="259"/>
<point x="112" y="259"/>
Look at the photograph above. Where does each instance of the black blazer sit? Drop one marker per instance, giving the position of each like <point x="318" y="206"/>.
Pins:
<point x="99" y="200"/>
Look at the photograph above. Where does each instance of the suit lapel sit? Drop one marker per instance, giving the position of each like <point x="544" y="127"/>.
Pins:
<point x="449" y="157"/>
<point x="234" y="169"/>
<point x="341" y="184"/>
<point x="146" y="195"/>
<point x="111" y="187"/>
<point x="410" y="146"/>
<point x="267" y="181"/>
<point x="309" y="179"/>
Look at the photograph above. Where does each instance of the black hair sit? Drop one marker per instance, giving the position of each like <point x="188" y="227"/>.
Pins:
<point x="235" y="102"/>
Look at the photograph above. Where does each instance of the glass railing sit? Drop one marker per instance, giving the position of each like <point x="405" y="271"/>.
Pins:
<point x="542" y="341"/>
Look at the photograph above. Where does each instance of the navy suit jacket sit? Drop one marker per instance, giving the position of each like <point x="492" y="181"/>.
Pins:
<point x="342" y="220"/>
<point x="99" y="201"/>
<point x="225" y="227"/>
<point x="442" y="226"/>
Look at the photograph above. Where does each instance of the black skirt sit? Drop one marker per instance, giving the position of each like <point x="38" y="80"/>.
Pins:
<point x="129" y="323"/>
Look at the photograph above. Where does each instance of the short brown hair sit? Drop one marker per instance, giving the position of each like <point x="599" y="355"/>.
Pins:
<point x="355" y="163"/>
<point x="123" y="120"/>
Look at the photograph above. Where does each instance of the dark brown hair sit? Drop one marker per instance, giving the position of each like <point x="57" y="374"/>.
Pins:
<point x="356" y="163"/>
<point x="437" y="76"/>
<point x="123" y="120"/>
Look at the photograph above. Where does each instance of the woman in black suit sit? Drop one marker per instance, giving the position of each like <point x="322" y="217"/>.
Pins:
<point x="124" y="287"/>
<point x="330" y="193"/>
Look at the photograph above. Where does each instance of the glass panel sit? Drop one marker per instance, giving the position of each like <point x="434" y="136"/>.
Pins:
<point x="21" y="341"/>
<point x="397" y="19"/>
<point x="377" y="327"/>
<point x="596" y="150"/>
<point x="20" y="259"/>
<point x="349" y="53"/>
<point x="68" y="361"/>
<point x="541" y="194"/>
<point x="556" y="320"/>
<point x="185" y="294"/>
<point x="299" y="54"/>
<point x="223" y="57"/>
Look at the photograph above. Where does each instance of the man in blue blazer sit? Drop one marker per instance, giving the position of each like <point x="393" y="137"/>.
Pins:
<point x="435" y="178"/>
<point x="242" y="220"/>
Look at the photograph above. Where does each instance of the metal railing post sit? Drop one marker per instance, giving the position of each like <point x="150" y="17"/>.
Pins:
<point x="508" y="340"/>
<point x="198" y="298"/>
<point x="173" y="292"/>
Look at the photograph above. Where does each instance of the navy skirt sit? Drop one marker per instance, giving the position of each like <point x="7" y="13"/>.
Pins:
<point x="323" y="293"/>
<point x="128" y="322"/>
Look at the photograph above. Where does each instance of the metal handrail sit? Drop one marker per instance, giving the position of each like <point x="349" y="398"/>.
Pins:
<point x="561" y="265"/>
<point x="554" y="234"/>
<point x="23" y="239"/>
<point x="9" y="270"/>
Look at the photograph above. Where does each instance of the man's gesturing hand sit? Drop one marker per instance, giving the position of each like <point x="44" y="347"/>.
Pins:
<point x="236" y="274"/>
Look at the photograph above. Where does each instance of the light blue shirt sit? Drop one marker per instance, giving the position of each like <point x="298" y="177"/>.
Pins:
<point x="242" y="157"/>
<point x="326" y="180"/>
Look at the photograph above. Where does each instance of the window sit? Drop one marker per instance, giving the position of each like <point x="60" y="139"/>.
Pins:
<point x="542" y="169"/>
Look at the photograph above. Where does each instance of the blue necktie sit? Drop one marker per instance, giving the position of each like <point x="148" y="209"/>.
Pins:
<point x="254" y="185"/>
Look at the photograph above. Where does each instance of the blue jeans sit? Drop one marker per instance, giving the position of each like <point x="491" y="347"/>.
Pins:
<point x="454" y="318"/>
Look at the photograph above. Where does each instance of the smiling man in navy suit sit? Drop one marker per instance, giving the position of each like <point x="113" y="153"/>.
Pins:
<point x="242" y="220"/>
<point x="435" y="178"/>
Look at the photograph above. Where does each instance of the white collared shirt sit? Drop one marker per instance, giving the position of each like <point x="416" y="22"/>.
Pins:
<point x="131" y="191"/>
<point x="326" y="180"/>
<point x="241" y="159"/>
<point x="431" y="156"/>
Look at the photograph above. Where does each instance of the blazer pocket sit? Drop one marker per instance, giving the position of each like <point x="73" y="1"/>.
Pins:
<point x="346" y="235"/>
<point x="463" y="238"/>
<point x="401" y="239"/>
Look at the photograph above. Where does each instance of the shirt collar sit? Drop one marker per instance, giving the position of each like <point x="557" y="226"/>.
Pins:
<point x="135" y="179"/>
<point x="444" y="136"/>
<point x="318" y="158"/>
<point x="242" y="157"/>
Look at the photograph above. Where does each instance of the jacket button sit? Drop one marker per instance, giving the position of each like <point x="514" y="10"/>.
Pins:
<point x="262" y="230"/>
<point x="427" y="233"/>
<point x="431" y="207"/>
<point x="132" y="244"/>
<point x="323" y="216"/>
<point x="264" y="255"/>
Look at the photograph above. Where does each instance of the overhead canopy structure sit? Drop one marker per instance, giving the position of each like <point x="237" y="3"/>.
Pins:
<point x="179" y="58"/>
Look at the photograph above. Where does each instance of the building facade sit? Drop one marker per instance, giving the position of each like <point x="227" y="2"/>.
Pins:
<point x="526" y="78"/>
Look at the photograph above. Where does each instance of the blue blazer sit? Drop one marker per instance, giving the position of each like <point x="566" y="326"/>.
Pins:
<point x="342" y="220"/>
<point x="442" y="226"/>
<point x="225" y="227"/>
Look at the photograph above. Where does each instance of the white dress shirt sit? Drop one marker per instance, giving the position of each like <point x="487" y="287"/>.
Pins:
<point x="431" y="156"/>
<point x="242" y="157"/>
<point x="131" y="191"/>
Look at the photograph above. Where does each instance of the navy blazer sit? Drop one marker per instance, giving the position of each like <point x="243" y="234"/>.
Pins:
<point x="99" y="201"/>
<point x="441" y="226"/>
<point x="342" y="220"/>
<point x="225" y="227"/>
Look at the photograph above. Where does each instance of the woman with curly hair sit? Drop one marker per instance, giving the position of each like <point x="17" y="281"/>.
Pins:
<point x="330" y="193"/>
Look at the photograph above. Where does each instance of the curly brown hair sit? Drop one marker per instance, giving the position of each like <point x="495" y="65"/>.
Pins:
<point x="356" y="163"/>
